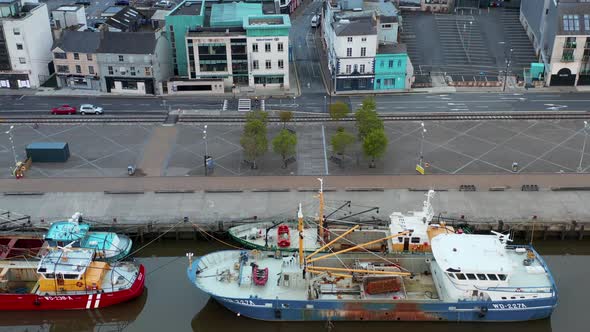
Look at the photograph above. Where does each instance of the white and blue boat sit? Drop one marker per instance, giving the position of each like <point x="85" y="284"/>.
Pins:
<point x="74" y="232"/>
<point x="466" y="277"/>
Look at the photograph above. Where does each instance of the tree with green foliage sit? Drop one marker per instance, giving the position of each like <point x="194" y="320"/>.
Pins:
<point x="257" y="115"/>
<point x="254" y="140"/>
<point x="367" y="120"/>
<point x="284" y="144"/>
<point x="374" y="145"/>
<point x="368" y="104"/>
<point x="341" y="140"/>
<point x="338" y="110"/>
<point x="285" y="116"/>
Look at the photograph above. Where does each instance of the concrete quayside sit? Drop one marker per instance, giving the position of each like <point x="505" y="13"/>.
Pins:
<point x="186" y="214"/>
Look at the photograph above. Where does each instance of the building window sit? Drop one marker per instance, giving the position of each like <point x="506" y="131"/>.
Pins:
<point x="347" y="84"/>
<point x="362" y="69"/>
<point x="350" y="39"/>
<point x="568" y="55"/>
<point x="76" y="56"/>
<point x="386" y="26"/>
<point x="390" y="63"/>
<point x="255" y="64"/>
<point x="382" y="63"/>
<point x="268" y="64"/>
<point x="19" y="46"/>
<point x="364" y="39"/>
<point x="571" y="23"/>
<point x="129" y="85"/>
<point x="16" y="31"/>
<point x="281" y="64"/>
<point x="59" y="55"/>
<point x="348" y="69"/>
<point x="148" y="71"/>
<point x="349" y="51"/>
<point x="78" y="69"/>
<point x="363" y="51"/>
<point x="254" y="47"/>
<point x="63" y="69"/>
<point x="89" y="57"/>
<point x="362" y="83"/>
<point x="91" y="70"/>
<point x="399" y="63"/>
<point x="111" y="70"/>
<point x="132" y="70"/>
<point x="121" y="59"/>
<point x="22" y="60"/>
<point x="267" y="47"/>
<point x="280" y="47"/>
<point x="587" y="22"/>
<point x="388" y="81"/>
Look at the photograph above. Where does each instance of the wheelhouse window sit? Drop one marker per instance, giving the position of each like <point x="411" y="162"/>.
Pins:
<point x="502" y="277"/>
<point x="461" y="276"/>
<point x="481" y="276"/>
<point x="471" y="276"/>
<point x="492" y="277"/>
<point x="415" y="240"/>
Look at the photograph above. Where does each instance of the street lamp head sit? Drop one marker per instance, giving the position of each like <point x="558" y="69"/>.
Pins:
<point x="205" y="126"/>
<point x="422" y="124"/>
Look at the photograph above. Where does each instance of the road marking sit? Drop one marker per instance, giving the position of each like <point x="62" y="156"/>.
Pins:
<point x="483" y="106"/>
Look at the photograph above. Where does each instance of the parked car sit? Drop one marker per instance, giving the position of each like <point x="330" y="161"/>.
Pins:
<point x="122" y="3"/>
<point x="90" y="109"/>
<point x="315" y="21"/>
<point x="63" y="109"/>
<point x="85" y="3"/>
<point x="163" y="4"/>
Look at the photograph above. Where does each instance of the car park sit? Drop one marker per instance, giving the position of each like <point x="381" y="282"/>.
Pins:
<point x="90" y="109"/>
<point x="63" y="109"/>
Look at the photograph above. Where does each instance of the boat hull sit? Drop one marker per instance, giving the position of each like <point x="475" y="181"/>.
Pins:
<point x="467" y="311"/>
<point x="34" y="302"/>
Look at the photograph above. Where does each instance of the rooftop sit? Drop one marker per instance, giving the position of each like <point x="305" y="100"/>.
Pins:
<point x="232" y="14"/>
<point x="68" y="8"/>
<point x="66" y="261"/>
<point x="573" y="8"/>
<point x="359" y="27"/>
<point x="78" y="41"/>
<point x="392" y="49"/>
<point x="187" y="8"/>
<point x="125" y="19"/>
<point x="127" y="42"/>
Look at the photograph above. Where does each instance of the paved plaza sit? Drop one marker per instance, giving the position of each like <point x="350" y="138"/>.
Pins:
<point x="449" y="147"/>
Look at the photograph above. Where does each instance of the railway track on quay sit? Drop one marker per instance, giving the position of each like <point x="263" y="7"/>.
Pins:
<point x="447" y="116"/>
<point x="307" y="118"/>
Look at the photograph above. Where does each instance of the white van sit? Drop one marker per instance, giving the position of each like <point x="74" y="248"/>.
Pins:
<point x="315" y="21"/>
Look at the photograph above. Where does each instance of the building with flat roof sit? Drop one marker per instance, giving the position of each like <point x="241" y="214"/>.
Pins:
<point x="25" y="44"/>
<point x="361" y="41"/>
<point x="560" y="33"/>
<point x="226" y="46"/>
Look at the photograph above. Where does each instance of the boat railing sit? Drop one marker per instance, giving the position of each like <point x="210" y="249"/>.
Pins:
<point x="519" y="289"/>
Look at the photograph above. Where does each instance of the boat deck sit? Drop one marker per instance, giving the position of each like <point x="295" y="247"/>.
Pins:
<point x="220" y="274"/>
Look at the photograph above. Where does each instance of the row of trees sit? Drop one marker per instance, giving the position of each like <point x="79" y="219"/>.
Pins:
<point x="254" y="140"/>
<point x="370" y="133"/>
<point x="370" y="130"/>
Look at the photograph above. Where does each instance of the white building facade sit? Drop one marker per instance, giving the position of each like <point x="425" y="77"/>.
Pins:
<point x="25" y="44"/>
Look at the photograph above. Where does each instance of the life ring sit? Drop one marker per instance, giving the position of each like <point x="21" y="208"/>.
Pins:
<point x="79" y="284"/>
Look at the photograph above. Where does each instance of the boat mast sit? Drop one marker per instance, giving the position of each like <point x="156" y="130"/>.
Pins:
<point x="300" y="228"/>
<point x="321" y="197"/>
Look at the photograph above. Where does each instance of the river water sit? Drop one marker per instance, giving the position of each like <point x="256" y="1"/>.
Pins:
<point x="171" y="303"/>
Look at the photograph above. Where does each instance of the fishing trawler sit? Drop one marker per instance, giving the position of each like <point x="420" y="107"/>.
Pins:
<point x="465" y="278"/>
<point x="109" y="246"/>
<point x="74" y="232"/>
<point x="68" y="279"/>
<point x="269" y="235"/>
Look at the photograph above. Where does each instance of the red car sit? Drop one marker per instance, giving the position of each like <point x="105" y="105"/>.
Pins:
<point x="63" y="109"/>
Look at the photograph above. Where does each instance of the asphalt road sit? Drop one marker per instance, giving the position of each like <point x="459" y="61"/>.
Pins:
<point x="455" y="102"/>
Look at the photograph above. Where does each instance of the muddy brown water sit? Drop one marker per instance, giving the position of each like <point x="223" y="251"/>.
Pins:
<point x="171" y="303"/>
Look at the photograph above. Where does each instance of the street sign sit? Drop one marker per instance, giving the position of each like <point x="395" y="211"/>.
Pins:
<point x="419" y="169"/>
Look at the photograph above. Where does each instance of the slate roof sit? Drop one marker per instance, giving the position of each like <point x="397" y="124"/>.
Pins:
<point x="392" y="49"/>
<point x="78" y="41"/>
<point x="361" y="27"/>
<point x="127" y="43"/>
<point x="126" y="19"/>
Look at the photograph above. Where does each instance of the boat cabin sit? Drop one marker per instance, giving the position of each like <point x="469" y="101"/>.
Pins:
<point x="64" y="232"/>
<point x="420" y="227"/>
<point x="70" y="270"/>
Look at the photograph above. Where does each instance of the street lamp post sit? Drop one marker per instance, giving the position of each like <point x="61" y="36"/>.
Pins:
<point x="423" y="131"/>
<point x="325" y="105"/>
<point x="206" y="151"/>
<point x="585" y="129"/>
<point x="9" y="132"/>
<point x="507" y="60"/>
